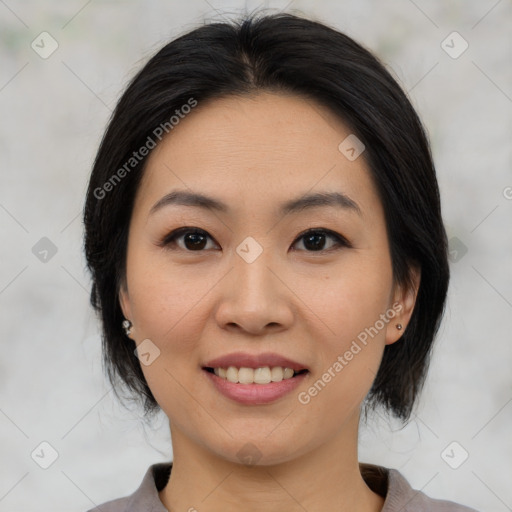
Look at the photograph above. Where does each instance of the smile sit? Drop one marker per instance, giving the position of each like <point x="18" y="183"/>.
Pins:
<point x="252" y="393"/>
<point x="263" y="375"/>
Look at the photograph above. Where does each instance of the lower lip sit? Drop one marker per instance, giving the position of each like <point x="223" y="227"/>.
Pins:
<point x="255" y="394"/>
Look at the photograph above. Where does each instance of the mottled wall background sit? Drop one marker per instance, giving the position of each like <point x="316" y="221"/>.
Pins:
<point x="63" y="66"/>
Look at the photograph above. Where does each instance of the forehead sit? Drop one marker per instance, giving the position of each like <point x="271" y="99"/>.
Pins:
<point x="257" y="149"/>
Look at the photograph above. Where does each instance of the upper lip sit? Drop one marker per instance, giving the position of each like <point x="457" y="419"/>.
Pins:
<point x="241" y="359"/>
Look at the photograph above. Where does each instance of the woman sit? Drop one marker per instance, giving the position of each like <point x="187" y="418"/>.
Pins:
<point x="269" y="261"/>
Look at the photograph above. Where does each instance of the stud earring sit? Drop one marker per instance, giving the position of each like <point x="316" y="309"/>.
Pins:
<point x="399" y="327"/>
<point x="127" y="326"/>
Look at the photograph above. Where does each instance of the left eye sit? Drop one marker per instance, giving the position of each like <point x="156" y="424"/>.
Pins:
<point x="314" y="240"/>
<point x="195" y="239"/>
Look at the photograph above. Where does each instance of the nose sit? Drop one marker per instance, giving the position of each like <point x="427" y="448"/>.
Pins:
<point x="254" y="298"/>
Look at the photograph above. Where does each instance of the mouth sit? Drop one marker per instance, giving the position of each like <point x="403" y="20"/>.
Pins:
<point x="261" y="375"/>
<point x="255" y="386"/>
<point x="246" y="368"/>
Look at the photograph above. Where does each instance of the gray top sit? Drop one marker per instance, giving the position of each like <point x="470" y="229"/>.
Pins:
<point x="389" y="483"/>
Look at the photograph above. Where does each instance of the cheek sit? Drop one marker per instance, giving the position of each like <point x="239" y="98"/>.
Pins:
<point x="167" y="306"/>
<point x="167" y="309"/>
<point x="351" y="298"/>
<point x="350" y="305"/>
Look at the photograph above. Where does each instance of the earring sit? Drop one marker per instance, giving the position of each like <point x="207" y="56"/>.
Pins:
<point x="399" y="327"/>
<point x="127" y="326"/>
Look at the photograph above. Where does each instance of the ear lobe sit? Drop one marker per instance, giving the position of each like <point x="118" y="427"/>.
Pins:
<point x="405" y="295"/>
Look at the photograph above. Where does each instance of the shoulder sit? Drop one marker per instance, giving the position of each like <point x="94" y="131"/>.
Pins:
<point x="118" y="505"/>
<point x="401" y="496"/>
<point x="145" y="497"/>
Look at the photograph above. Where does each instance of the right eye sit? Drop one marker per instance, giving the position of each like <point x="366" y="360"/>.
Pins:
<point x="193" y="239"/>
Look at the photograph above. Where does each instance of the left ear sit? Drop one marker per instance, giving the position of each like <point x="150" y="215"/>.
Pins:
<point x="124" y="302"/>
<point x="404" y="297"/>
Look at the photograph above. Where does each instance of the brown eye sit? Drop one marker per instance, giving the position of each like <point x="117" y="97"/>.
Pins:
<point x="189" y="239"/>
<point x="315" y="240"/>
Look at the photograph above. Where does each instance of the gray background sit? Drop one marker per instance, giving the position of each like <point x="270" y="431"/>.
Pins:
<point x="53" y="113"/>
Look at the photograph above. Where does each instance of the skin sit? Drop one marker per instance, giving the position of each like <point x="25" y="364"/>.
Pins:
<point x="253" y="153"/>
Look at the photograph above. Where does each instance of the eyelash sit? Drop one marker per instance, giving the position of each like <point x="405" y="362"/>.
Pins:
<point x="341" y="241"/>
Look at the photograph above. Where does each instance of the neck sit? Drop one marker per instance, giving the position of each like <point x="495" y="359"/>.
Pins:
<point x="324" y="478"/>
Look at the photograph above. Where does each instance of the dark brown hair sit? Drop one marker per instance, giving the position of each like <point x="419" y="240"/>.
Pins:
<point x="294" y="55"/>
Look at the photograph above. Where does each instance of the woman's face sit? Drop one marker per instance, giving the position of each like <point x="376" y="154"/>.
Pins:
<point x="247" y="280"/>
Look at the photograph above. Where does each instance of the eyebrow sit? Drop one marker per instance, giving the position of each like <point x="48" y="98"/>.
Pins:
<point x="314" y="200"/>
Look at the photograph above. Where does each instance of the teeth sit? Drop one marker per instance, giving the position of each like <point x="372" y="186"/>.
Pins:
<point x="232" y="374"/>
<point x="264" y="375"/>
<point x="246" y="375"/>
<point x="276" y="374"/>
